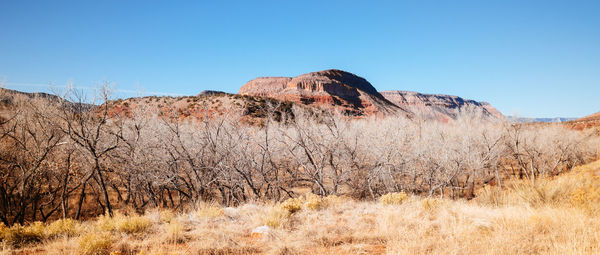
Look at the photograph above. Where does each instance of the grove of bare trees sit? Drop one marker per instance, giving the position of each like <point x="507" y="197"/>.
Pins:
<point x="63" y="158"/>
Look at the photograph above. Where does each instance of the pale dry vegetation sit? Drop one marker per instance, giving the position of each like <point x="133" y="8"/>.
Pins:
<point x="318" y="183"/>
<point x="518" y="219"/>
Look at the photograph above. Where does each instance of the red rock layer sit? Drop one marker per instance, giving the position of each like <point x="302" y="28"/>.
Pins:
<point x="329" y="88"/>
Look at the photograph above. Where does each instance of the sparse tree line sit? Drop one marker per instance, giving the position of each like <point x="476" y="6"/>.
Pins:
<point x="62" y="159"/>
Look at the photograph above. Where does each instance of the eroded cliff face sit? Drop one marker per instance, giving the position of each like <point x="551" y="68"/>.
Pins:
<point x="355" y="95"/>
<point x="443" y="107"/>
<point x="264" y="86"/>
<point x="330" y="88"/>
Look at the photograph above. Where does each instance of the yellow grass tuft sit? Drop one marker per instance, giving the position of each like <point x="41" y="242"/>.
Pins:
<point x="126" y="224"/>
<point x="3" y="231"/>
<point x="276" y="217"/>
<point x="166" y="215"/>
<point x="132" y="224"/>
<point x="18" y="235"/>
<point x="395" y="198"/>
<point x="333" y="200"/>
<point x="587" y="198"/>
<point x="279" y="215"/>
<point x="64" y="227"/>
<point x="292" y="205"/>
<point x="313" y="202"/>
<point x="95" y="243"/>
<point x="430" y="204"/>
<point x="174" y="232"/>
<point x="106" y="223"/>
<point x="206" y="210"/>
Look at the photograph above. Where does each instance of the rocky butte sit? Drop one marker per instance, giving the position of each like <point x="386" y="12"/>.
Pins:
<point x="330" y="88"/>
<point x="355" y="95"/>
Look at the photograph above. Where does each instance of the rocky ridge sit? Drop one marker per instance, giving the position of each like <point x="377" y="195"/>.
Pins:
<point x="330" y="88"/>
<point x="437" y="106"/>
<point x="355" y="95"/>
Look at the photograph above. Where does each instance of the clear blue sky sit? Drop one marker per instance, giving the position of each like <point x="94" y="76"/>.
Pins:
<point x="535" y="58"/>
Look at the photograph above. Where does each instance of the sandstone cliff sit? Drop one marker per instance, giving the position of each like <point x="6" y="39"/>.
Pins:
<point x="355" y="95"/>
<point x="330" y="88"/>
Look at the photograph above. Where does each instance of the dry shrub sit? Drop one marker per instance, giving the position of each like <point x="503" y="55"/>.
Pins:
<point x="61" y="246"/>
<point x="206" y="210"/>
<point x="395" y="198"/>
<point x="166" y="215"/>
<point x="64" y="227"/>
<point x="430" y="204"/>
<point x="95" y="243"/>
<point x="520" y="192"/>
<point x="587" y="198"/>
<point x="579" y="188"/>
<point x="133" y="224"/>
<point x="122" y="223"/>
<point x="174" y="232"/>
<point x="3" y="231"/>
<point x="18" y="235"/>
<point x="292" y="205"/>
<point x="333" y="200"/>
<point x="586" y="194"/>
<point x="276" y="217"/>
<point x="313" y="202"/>
<point x="106" y="223"/>
<point x="282" y="249"/>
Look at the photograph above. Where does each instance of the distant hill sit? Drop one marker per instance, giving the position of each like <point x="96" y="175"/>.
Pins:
<point x="528" y="120"/>
<point x="590" y="121"/>
<point x="592" y="117"/>
<point x="355" y="95"/>
<point x="9" y="98"/>
<point x="442" y="107"/>
<point x="206" y="104"/>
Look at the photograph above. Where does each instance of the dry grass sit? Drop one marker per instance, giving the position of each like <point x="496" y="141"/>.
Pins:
<point x="553" y="216"/>
<point x="96" y="243"/>
<point x="393" y="198"/>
